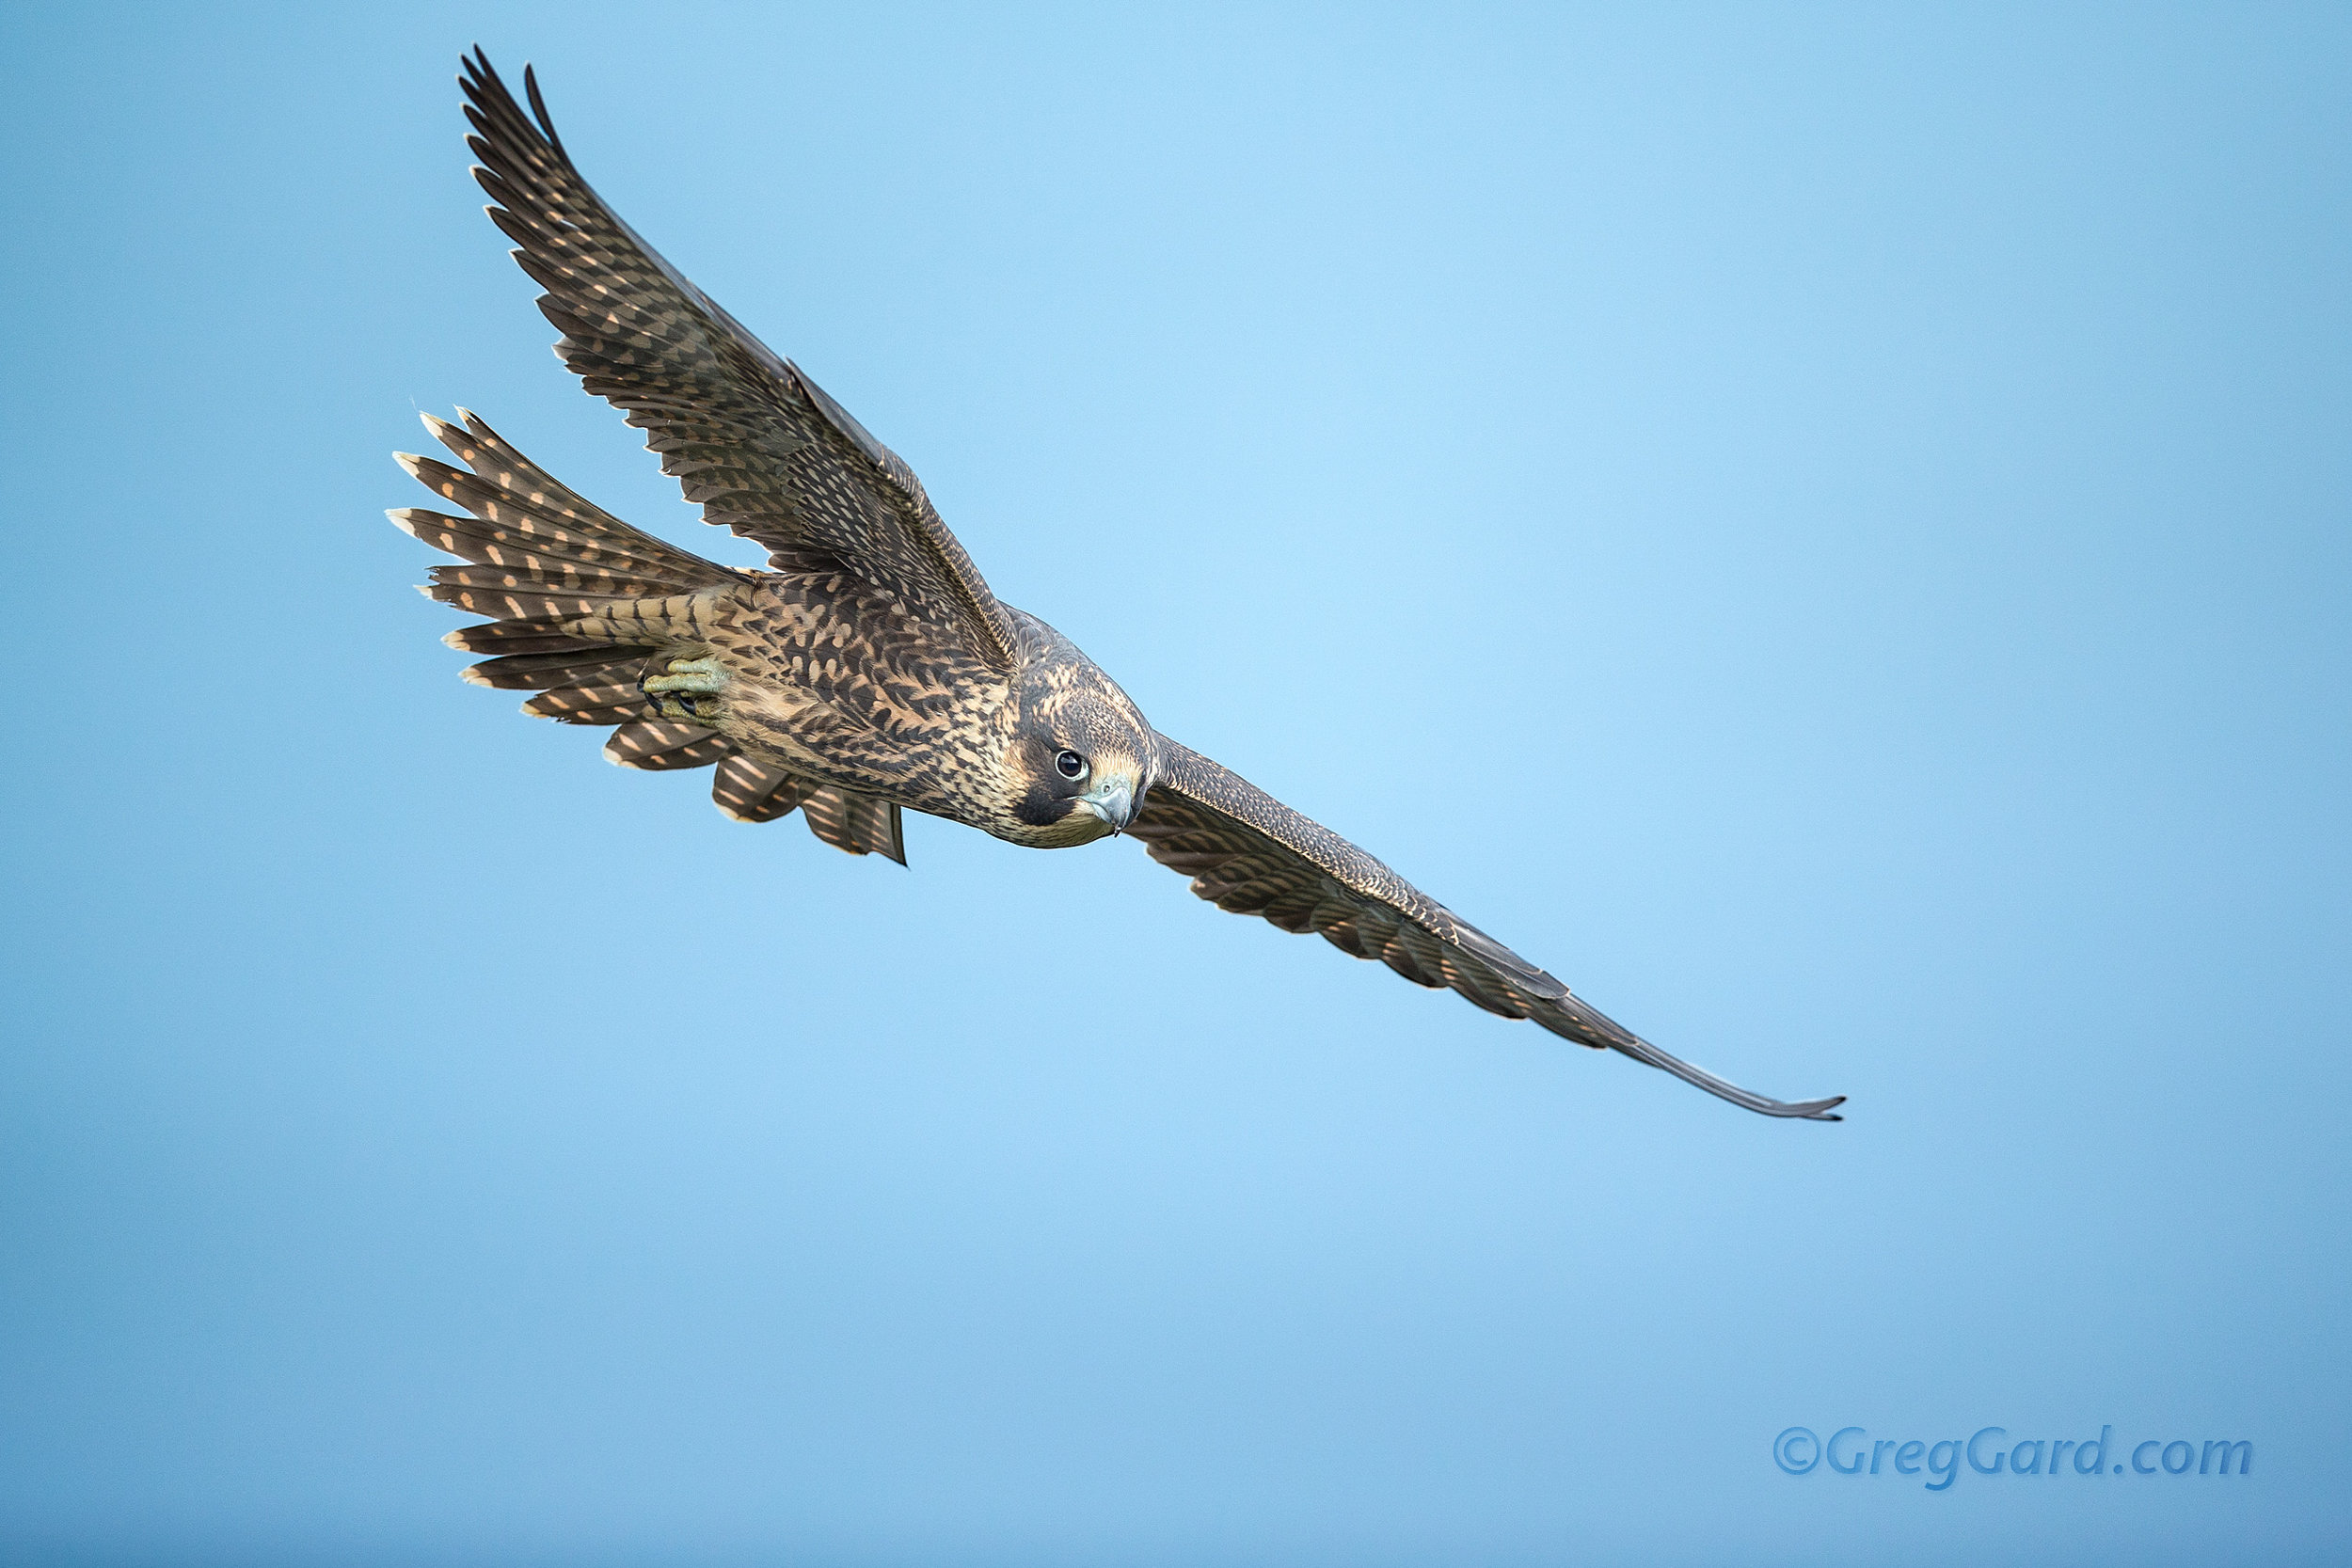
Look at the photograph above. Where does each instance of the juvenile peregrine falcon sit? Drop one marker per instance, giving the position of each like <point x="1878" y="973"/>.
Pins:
<point x="869" y="669"/>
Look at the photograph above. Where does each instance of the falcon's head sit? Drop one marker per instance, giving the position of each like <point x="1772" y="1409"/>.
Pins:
<point x="1080" y="755"/>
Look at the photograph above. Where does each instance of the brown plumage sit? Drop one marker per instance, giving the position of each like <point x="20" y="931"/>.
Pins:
<point x="869" y="669"/>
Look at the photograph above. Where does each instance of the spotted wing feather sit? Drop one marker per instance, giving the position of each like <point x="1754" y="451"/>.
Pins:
<point x="858" y="823"/>
<point x="662" y="746"/>
<point x="750" y="790"/>
<point x="748" y="436"/>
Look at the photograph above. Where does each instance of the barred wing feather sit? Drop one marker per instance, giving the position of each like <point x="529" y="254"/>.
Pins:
<point x="747" y="434"/>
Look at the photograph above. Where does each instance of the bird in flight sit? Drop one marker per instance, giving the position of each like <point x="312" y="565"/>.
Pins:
<point x="869" y="670"/>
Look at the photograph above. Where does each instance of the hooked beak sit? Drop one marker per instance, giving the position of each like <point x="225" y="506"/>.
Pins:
<point x="1113" y="800"/>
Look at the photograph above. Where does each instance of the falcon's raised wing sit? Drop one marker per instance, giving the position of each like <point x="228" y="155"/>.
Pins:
<point x="747" y="434"/>
<point x="1250" y="853"/>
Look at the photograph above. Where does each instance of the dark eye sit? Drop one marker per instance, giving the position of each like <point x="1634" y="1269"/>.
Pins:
<point x="1071" y="765"/>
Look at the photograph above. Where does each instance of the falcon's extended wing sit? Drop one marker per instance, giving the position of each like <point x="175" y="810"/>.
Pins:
<point x="745" y="433"/>
<point x="1250" y="853"/>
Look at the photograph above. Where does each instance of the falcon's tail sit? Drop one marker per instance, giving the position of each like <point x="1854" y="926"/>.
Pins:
<point x="582" y="601"/>
<point x="539" y="552"/>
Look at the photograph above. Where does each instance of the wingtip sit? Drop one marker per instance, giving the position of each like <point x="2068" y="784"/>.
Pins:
<point x="539" y="112"/>
<point x="1722" y="1089"/>
<point x="1803" y="1110"/>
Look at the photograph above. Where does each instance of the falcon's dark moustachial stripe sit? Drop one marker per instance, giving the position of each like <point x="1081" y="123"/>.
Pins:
<point x="869" y="669"/>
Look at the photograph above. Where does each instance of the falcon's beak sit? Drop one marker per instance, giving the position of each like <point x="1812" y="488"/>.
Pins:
<point x="1113" y="800"/>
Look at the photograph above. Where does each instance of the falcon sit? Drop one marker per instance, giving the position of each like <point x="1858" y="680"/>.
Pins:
<point x="867" y="670"/>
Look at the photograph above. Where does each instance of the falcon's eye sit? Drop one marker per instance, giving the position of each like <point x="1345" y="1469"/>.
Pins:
<point x="1071" y="765"/>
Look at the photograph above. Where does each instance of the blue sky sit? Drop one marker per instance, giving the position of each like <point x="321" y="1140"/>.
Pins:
<point x="1824" y="528"/>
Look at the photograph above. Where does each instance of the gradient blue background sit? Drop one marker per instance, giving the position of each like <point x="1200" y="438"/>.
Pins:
<point x="1826" y="528"/>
